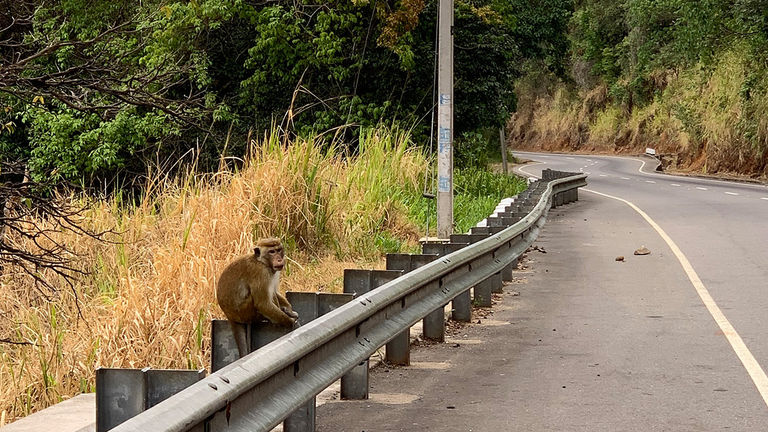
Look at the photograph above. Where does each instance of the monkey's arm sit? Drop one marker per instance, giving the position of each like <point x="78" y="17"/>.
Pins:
<point x="266" y="306"/>
<point x="285" y="306"/>
<point x="282" y="301"/>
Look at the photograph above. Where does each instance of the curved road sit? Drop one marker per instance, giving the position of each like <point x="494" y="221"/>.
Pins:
<point x="671" y="341"/>
<point x="720" y="227"/>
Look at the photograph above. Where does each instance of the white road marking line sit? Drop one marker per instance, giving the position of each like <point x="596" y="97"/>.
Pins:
<point x="569" y="158"/>
<point x="764" y="198"/>
<point x="603" y="175"/>
<point x="650" y="181"/>
<point x="643" y="162"/>
<point x="701" y="188"/>
<point x="625" y="178"/>
<point x="674" y="184"/>
<point x="731" y="193"/>
<point x="753" y="368"/>
<point x="520" y="169"/>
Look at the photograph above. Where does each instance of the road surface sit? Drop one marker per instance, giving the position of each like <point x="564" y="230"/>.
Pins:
<point x="672" y="341"/>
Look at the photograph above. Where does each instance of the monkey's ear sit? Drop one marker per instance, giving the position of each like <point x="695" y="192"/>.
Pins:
<point x="256" y="252"/>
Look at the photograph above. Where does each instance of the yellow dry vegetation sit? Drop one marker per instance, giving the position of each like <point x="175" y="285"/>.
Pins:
<point x="704" y="119"/>
<point x="150" y="296"/>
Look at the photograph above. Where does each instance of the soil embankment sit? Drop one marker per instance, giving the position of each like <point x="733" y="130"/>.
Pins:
<point x="563" y="120"/>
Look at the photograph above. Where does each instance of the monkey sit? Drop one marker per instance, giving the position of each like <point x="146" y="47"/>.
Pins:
<point x="247" y="291"/>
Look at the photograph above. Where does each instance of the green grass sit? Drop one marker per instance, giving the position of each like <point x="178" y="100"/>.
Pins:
<point x="476" y="194"/>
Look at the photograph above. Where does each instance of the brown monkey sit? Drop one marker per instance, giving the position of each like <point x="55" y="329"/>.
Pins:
<point x="247" y="290"/>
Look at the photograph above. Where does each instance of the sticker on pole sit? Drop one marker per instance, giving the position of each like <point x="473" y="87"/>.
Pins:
<point x="444" y="140"/>
<point x="444" y="184"/>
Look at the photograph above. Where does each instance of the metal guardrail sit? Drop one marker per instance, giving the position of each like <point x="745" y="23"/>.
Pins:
<point x="258" y="391"/>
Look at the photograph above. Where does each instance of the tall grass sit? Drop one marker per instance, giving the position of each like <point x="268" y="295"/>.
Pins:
<point x="150" y="294"/>
<point x="150" y="297"/>
<point x="708" y="118"/>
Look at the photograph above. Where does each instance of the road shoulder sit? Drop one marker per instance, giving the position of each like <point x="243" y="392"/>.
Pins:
<point x="589" y="344"/>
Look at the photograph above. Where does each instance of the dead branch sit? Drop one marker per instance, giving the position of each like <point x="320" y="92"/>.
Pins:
<point x="32" y="217"/>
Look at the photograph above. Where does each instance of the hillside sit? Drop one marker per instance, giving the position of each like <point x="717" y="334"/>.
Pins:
<point x="685" y="78"/>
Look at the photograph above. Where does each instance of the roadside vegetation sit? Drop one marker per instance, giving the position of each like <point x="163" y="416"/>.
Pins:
<point x="149" y="295"/>
<point x="145" y="144"/>
<point x="686" y="78"/>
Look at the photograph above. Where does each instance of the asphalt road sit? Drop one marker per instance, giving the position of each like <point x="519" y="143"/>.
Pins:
<point x="672" y="341"/>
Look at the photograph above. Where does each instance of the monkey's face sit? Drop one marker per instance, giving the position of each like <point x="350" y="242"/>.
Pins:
<point x="276" y="258"/>
<point x="272" y="256"/>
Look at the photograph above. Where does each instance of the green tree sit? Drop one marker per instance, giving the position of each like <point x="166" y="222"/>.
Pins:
<point x="93" y="89"/>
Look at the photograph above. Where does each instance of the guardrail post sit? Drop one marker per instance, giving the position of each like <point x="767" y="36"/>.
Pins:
<point x="124" y="393"/>
<point x="461" y="305"/>
<point x="120" y="395"/>
<point x="164" y="383"/>
<point x="354" y="384"/>
<point x="399" y="348"/>
<point x="309" y="306"/>
<point x="327" y="302"/>
<point x="497" y="284"/>
<point x="493" y="284"/>
<point x="304" y="304"/>
<point x="433" y="327"/>
<point x="499" y="221"/>
<point x="483" y="290"/>
<point x="507" y="273"/>
<point x="223" y="346"/>
<point x="264" y="332"/>
<point x="480" y="230"/>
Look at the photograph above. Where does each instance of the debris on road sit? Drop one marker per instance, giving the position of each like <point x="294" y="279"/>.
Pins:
<point x="620" y="258"/>
<point x="642" y="251"/>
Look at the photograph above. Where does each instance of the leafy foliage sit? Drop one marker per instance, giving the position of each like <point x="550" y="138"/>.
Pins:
<point x="627" y="42"/>
<point x="689" y="78"/>
<point x="91" y="90"/>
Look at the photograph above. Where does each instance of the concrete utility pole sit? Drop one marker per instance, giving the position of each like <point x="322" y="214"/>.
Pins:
<point x="503" y="142"/>
<point x="445" y="120"/>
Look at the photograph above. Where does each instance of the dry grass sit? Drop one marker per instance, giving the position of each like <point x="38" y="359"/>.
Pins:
<point x="711" y="118"/>
<point x="150" y="298"/>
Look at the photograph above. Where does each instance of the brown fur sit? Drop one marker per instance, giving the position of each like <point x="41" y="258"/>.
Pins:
<point x="247" y="290"/>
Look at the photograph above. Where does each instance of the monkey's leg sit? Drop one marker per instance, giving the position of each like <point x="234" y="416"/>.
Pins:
<point x="239" y="330"/>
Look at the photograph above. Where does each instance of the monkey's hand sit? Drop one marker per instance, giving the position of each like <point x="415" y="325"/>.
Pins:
<point x="296" y="324"/>
<point x="290" y="313"/>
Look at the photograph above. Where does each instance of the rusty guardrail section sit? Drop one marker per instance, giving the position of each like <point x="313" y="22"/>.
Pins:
<point x="258" y="391"/>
